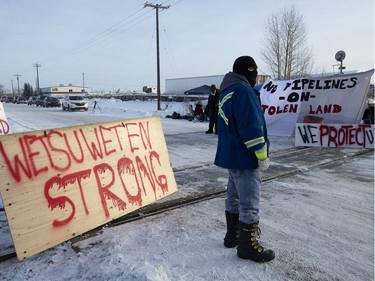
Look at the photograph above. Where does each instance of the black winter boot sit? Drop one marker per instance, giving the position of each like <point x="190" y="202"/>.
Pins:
<point x="231" y="238"/>
<point x="249" y="247"/>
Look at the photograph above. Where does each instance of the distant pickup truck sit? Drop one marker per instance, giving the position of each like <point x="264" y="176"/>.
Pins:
<point x="74" y="102"/>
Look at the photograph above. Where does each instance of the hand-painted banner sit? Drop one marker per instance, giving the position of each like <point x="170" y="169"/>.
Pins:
<point x="334" y="135"/>
<point x="4" y="125"/>
<point x="60" y="183"/>
<point x="337" y="99"/>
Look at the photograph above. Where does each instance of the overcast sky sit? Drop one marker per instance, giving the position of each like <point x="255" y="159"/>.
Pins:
<point x="113" y="42"/>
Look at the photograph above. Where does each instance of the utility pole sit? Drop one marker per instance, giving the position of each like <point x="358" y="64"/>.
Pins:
<point x="11" y="80"/>
<point x="18" y="82"/>
<point x="37" y="78"/>
<point x="83" y="82"/>
<point x="157" y="7"/>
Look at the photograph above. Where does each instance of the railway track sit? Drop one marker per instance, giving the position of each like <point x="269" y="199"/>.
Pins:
<point x="207" y="186"/>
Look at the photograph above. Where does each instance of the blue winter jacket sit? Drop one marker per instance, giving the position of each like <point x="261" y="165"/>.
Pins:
<point x="241" y="125"/>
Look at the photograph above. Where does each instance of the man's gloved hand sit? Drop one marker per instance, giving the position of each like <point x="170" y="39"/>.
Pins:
<point x="263" y="160"/>
<point x="263" y="164"/>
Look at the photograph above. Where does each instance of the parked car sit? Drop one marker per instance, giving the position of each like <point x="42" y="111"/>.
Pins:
<point x="21" y="100"/>
<point x="9" y="99"/>
<point x="51" y="102"/>
<point x="74" y="102"/>
<point x="39" y="100"/>
<point x="3" y="98"/>
<point x="31" y="100"/>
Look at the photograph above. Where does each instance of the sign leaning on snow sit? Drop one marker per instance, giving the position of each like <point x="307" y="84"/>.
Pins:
<point x="339" y="99"/>
<point x="334" y="135"/>
<point x="60" y="183"/>
<point x="4" y="126"/>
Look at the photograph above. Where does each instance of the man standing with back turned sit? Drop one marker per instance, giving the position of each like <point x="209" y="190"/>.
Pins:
<point x="243" y="149"/>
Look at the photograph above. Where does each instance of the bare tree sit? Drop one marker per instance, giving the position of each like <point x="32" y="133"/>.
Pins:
<point x="286" y="51"/>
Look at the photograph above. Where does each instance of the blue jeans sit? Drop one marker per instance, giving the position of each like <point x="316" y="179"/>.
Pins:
<point x="243" y="194"/>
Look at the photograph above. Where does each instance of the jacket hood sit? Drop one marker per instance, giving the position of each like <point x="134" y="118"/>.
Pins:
<point x="232" y="78"/>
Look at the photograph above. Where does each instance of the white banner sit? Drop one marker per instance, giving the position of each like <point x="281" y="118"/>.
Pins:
<point x="339" y="99"/>
<point x="4" y="125"/>
<point x="335" y="135"/>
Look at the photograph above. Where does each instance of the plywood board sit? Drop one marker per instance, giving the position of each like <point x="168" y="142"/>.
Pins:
<point x="60" y="183"/>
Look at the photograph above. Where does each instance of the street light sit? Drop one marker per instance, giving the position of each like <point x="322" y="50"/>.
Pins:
<point x="83" y="82"/>
<point x="18" y="82"/>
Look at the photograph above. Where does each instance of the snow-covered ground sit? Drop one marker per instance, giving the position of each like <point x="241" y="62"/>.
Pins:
<point x="320" y="222"/>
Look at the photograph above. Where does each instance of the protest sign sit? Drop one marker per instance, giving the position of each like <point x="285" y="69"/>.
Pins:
<point x="339" y="99"/>
<point x="59" y="183"/>
<point x="4" y="125"/>
<point x="335" y="135"/>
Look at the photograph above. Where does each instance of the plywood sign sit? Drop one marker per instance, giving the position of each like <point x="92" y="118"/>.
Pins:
<point x="335" y="135"/>
<point x="60" y="183"/>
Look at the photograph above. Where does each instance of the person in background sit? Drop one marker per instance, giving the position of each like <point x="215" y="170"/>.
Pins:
<point x="243" y="149"/>
<point x="199" y="113"/>
<point x="213" y="107"/>
<point x="368" y="115"/>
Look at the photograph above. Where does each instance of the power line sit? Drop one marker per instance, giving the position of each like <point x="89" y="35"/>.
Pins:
<point x="105" y="35"/>
<point x="169" y="53"/>
<point x="112" y="31"/>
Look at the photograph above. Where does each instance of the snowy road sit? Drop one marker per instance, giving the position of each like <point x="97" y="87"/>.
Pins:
<point x="33" y="118"/>
<point x="317" y="214"/>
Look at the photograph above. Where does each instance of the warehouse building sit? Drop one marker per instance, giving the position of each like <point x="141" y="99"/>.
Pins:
<point x="61" y="90"/>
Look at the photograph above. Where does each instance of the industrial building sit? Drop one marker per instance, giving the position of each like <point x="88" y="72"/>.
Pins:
<point x="61" y="90"/>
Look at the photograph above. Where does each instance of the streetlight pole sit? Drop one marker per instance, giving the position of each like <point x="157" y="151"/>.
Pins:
<point x="83" y="82"/>
<point x="11" y="80"/>
<point x="37" y="78"/>
<point x="157" y="7"/>
<point x="18" y="82"/>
